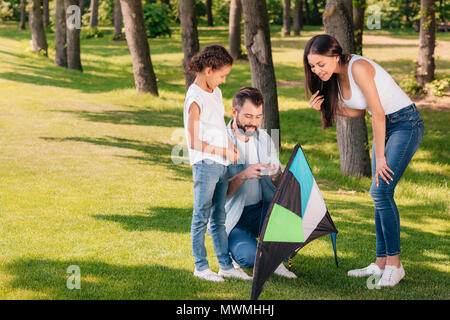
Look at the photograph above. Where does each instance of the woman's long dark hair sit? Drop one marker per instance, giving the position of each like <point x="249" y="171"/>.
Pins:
<point x="328" y="46"/>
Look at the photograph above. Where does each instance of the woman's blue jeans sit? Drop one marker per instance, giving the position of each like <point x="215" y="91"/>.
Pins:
<point x="404" y="133"/>
<point x="210" y="190"/>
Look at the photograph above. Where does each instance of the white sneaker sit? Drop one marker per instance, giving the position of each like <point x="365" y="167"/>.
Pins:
<point x="372" y="269"/>
<point x="207" y="274"/>
<point x="391" y="276"/>
<point x="234" y="273"/>
<point x="282" y="271"/>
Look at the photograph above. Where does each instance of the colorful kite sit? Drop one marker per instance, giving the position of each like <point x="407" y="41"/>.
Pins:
<point x="296" y="216"/>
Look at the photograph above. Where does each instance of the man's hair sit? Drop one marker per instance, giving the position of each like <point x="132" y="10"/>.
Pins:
<point x="247" y="93"/>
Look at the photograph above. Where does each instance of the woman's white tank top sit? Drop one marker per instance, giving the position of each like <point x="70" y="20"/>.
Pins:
<point x="392" y="97"/>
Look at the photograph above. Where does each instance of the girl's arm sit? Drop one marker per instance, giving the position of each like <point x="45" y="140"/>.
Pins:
<point x="364" y="73"/>
<point x="195" y="143"/>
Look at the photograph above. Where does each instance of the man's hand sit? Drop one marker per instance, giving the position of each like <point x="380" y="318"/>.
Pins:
<point x="254" y="171"/>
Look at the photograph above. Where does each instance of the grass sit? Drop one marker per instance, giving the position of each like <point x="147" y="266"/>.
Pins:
<point x="87" y="179"/>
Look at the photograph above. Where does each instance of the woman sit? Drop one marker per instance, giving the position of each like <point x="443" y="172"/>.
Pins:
<point x="397" y="133"/>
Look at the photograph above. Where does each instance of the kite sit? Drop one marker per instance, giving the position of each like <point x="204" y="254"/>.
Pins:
<point x="296" y="216"/>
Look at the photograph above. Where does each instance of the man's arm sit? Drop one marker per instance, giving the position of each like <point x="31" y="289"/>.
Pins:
<point x="252" y="172"/>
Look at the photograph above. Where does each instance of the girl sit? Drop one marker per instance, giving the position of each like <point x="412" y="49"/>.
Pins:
<point x="210" y="152"/>
<point x="397" y="133"/>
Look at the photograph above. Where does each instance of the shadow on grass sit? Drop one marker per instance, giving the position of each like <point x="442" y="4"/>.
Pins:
<point x="101" y="280"/>
<point x="166" y="219"/>
<point x="140" y="117"/>
<point x="154" y="153"/>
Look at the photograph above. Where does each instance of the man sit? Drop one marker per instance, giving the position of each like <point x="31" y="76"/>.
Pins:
<point x="253" y="179"/>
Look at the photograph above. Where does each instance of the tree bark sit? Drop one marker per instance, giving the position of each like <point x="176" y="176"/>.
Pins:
<point x="38" y="37"/>
<point x="60" y="35"/>
<point x="82" y="5"/>
<point x="234" y="29"/>
<point x="189" y="35"/>
<point x="93" y="21"/>
<point x="73" y="42"/>
<point x="298" y="15"/>
<point x="209" y="13"/>
<point x="136" y="34"/>
<point x="351" y="133"/>
<point x="23" y="14"/>
<point x="307" y="13"/>
<point x="117" y="21"/>
<point x="358" y="13"/>
<point x="46" y="14"/>
<point x="425" y="62"/>
<point x="286" y="31"/>
<point x="257" y="42"/>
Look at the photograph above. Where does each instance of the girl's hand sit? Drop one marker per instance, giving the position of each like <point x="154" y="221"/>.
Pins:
<point x="232" y="153"/>
<point x="382" y="171"/>
<point x="316" y="101"/>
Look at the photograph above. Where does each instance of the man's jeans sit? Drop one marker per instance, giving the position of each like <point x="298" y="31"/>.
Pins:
<point x="210" y="190"/>
<point x="404" y="132"/>
<point x="242" y="239"/>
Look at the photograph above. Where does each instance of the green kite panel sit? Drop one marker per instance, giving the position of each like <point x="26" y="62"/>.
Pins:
<point x="284" y="226"/>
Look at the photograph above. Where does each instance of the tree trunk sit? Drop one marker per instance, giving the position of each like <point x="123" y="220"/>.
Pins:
<point x="234" y="29"/>
<point x="117" y="21"/>
<point x="257" y="42"/>
<point x="209" y="13"/>
<point x="286" y="31"/>
<point x="136" y="34"/>
<point x="82" y="5"/>
<point x="60" y="35"/>
<point x="298" y="13"/>
<point x="38" y="37"/>
<point x="316" y="13"/>
<point x="93" y="22"/>
<point x="351" y="132"/>
<point x="189" y="35"/>
<point x="358" y="13"/>
<point x="73" y="41"/>
<point x="425" y="62"/>
<point x="307" y="13"/>
<point x="23" y="14"/>
<point x="46" y="14"/>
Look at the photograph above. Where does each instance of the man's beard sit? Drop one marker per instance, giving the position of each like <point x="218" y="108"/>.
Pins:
<point x="244" y="129"/>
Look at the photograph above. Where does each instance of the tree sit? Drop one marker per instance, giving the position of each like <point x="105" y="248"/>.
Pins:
<point x="73" y="38"/>
<point x="117" y="21"/>
<point x="136" y="35"/>
<point x="234" y="29"/>
<point x="38" y="37"/>
<point x="425" y="63"/>
<point x="189" y="35"/>
<point x="60" y="35"/>
<point x="257" y="42"/>
<point x="93" y="21"/>
<point x="298" y="15"/>
<point x="209" y="13"/>
<point x="46" y="13"/>
<point x="23" y="14"/>
<point x="286" y="18"/>
<point x="351" y="132"/>
<point x="358" y="13"/>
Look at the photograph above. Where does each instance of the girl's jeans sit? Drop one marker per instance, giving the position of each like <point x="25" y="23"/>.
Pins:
<point x="404" y="132"/>
<point x="210" y="190"/>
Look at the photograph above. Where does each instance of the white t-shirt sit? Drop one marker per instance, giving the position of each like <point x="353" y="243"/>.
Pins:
<point x="212" y="129"/>
<point x="392" y="97"/>
<point x="253" y="193"/>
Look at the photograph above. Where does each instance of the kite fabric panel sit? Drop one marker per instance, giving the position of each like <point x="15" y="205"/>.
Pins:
<point x="296" y="216"/>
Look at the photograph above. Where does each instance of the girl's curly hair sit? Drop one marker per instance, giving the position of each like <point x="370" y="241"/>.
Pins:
<point x="213" y="56"/>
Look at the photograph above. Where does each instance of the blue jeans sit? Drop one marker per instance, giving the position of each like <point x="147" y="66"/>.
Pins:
<point x="404" y="132"/>
<point x="210" y="190"/>
<point x="242" y="239"/>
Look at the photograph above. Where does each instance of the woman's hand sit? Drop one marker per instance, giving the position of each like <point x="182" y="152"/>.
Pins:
<point x="254" y="171"/>
<point x="382" y="171"/>
<point x="316" y="101"/>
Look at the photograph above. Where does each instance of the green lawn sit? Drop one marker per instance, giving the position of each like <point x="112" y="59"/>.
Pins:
<point x="87" y="179"/>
